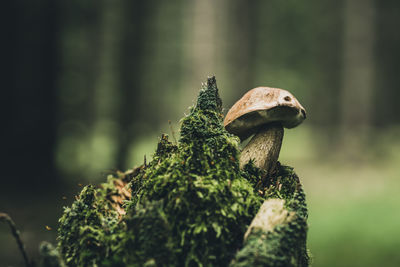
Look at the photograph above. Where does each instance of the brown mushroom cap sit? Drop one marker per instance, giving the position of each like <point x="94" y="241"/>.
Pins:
<point x="260" y="106"/>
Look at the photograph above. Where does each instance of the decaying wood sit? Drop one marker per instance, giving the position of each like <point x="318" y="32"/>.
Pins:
<point x="272" y="213"/>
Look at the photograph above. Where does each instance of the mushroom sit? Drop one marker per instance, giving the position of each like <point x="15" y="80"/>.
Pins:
<point x="264" y="112"/>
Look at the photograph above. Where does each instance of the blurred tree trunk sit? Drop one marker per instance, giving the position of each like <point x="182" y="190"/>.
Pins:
<point x="358" y="73"/>
<point x="81" y="50"/>
<point x="200" y="49"/>
<point x="107" y="97"/>
<point x="238" y="47"/>
<point x="162" y="67"/>
<point x="326" y="28"/>
<point x="387" y="94"/>
<point x="148" y="64"/>
<point x="130" y="59"/>
<point x="30" y="62"/>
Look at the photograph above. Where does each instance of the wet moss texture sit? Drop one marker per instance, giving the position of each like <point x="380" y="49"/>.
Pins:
<point x="190" y="206"/>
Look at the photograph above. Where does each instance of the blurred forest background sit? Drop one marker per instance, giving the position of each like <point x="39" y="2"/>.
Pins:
<point x="89" y="86"/>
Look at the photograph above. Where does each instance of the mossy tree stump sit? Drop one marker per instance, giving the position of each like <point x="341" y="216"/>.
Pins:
<point x="190" y="206"/>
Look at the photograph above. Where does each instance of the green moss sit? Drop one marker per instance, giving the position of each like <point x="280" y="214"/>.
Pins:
<point x="254" y="175"/>
<point x="206" y="203"/>
<point x="86" y="229"/>
<point x="190" y="206"/>
<point x="50" y="256"/>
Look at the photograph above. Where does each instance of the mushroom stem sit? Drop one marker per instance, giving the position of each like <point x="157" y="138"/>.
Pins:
<point x="264" y="148"/>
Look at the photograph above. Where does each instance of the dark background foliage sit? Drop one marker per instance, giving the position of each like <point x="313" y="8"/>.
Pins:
<point x="88" y="86"/>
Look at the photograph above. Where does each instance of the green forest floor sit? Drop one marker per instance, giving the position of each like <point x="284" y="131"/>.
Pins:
<point x="354" y="213"/>
<point x="353" y="207"/>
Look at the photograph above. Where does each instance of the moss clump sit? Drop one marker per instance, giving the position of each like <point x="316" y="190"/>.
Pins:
<point x="190" y="206"/>
<point x="206" y="203"/>
<point x="85" y="230"/>
<point x="90" y="230"/>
